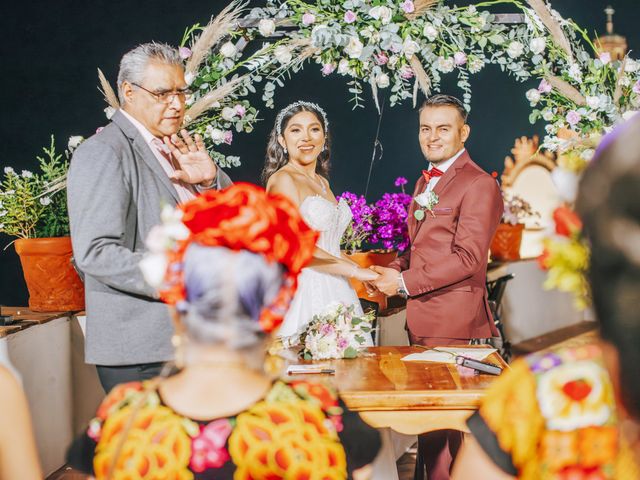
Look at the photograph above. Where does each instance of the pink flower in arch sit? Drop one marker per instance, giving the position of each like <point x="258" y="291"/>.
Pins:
<point x="408" y="6"/>
<point x="349" y="16"/>
<point x="228" y="137"/>
<point x="544" y="87"/>
<point x="459" y="58"/>
<point x="308" y="19"/>
<point x="184" y="52"/>
<point x="240" y="110"/>
<point x="328" y="68"/>
<point x="573" y="118"/>
<point x="636" y="87"/>
<point x="381" y="58"/>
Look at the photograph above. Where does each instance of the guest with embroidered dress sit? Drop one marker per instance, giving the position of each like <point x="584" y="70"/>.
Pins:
<point x="574" y="413"/>
<point x="227" y="262"/>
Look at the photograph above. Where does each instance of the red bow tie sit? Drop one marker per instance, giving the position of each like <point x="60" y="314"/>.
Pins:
<point x="433" y="173"/>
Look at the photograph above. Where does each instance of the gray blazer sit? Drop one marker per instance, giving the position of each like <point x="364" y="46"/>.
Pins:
<point x="116" y="188"/>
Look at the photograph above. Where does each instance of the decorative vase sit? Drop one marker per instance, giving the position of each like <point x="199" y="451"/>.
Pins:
<point x="53" y="284"/>
<point x="505" y="245"/>
<point x="381" y="258"/>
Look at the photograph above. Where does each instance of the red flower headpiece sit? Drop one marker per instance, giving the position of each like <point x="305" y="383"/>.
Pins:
<point x="245" y="217"/>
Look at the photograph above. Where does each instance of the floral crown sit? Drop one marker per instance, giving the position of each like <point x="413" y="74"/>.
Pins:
<point x="241" y="217"/>
<point x="300" y="103"/>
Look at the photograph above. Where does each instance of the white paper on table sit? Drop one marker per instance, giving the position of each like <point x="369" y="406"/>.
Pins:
<point x="447" y="354"/>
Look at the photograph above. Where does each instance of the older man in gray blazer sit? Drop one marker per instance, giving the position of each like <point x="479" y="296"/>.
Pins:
<point x="118" y="181"/>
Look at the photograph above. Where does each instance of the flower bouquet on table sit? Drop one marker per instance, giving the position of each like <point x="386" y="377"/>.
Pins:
<point x="335" y="333"/>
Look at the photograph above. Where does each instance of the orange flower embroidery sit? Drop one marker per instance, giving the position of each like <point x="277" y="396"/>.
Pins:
<point x="559" y="449"/>
<point x="598" y="446"/>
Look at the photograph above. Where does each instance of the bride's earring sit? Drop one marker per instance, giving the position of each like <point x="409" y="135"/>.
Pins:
<point x="285" y="150"/>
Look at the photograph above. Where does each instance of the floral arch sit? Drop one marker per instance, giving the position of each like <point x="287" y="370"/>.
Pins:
<point x="406" y="47"/>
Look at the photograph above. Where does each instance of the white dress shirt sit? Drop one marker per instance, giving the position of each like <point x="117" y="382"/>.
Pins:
<point x="443" y="167"/>
<point x="185" y="191"/>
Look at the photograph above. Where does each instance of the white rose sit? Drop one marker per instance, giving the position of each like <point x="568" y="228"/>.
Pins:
<point x="445" y="65"/>
<point x="538" y="45"/>
<point x="533" y="96"/>
<point x="74" y="142"/>
<point x="189" y="77"/>
<point x="515" y="49"/>
<point x="354" y="48"/>
<point x="228" y="50"/>
<point x="575" y="73"/>
<point x="393" y="60"/>
<point x="631" y="65"/>
<point x="382" y="80"/>
<point x="409" y="47"/>
<point x="9" y="171"/>
<point x="266" y="27"/>
<point x="475" y="65"/>
<point x="228" y="113"/>
<point x="343" y="66"/>
<point x="422" y="199"/>
<point x="593" y="102"/>
<point x="109" y="111"/>
<point x="430" y="32"/>
<point x="45" y="201"/>
<point x="154" y="268"/>
<point x="216" y="135"/>
<point x="548" y="115"/>
<point x="26" y="174"/>
<point x="381" y="13"/>
<point x="283" y="54"/>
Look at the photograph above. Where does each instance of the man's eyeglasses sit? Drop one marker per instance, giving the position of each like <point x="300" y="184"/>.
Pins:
<point x="168" y="96"/>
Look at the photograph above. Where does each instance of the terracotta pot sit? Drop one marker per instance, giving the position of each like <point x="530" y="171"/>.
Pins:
<point x="54" y="285"/>
<point x="365" y="260"/>
<point x="506" y="242"/>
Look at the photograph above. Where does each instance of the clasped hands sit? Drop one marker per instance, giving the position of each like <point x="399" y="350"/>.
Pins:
<point x="387" y="281"/>
<point x="196" y="166"/>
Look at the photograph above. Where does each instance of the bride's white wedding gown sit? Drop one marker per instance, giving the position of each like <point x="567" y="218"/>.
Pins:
<point x="317" y="290"/>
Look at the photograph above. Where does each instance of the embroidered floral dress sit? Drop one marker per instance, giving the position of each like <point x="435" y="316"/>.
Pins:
<point x="300" y="430"/>
<point x="553" y="416"/>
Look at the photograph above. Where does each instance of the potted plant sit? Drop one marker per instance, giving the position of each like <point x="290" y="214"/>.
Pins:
<point x="377" y="233"/>
<point x="505" y="245"/>
<point x="33" y="208"/>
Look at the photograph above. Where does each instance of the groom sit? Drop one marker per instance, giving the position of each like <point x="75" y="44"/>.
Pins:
<point x="456" y="209"/>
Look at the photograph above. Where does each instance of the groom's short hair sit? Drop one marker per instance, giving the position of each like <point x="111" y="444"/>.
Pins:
<point x="441" y="100"/>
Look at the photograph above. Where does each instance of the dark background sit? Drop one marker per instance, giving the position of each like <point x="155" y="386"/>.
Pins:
<point x="50" y="52"/>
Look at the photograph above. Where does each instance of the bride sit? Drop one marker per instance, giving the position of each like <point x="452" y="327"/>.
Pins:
<point x="297" y="165"/>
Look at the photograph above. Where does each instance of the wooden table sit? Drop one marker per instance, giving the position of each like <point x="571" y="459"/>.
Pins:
<point x="409" y="397"/>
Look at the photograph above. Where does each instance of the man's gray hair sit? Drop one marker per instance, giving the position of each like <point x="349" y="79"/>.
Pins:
<point x="135" y="61"/>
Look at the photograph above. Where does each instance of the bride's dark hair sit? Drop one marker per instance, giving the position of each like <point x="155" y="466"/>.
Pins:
<point x="275" y="158"/>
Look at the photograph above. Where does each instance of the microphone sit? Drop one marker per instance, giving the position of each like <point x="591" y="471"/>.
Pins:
<point x="484" y="367"/>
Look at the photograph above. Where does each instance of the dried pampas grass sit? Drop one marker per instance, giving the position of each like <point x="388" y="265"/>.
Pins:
<point x="109" y="95"/>
<point x="552" y="25"/>
<point x="568" y="90"/>
<point x="422" y="78"/>
<point x="205" y="103"/>
<point x="420" y="6"/>
<point x="216" y="30"/>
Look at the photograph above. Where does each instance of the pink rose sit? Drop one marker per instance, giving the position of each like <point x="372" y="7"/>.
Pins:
<point x="573" y="118"/>
<point x="459" y="58"/>
<point x="184" y="52"/>
<point x="308" y="18"/>
<point x="208" y="448"/>
<point x="381" y="58"/>
<point x="544" y="87"/>
<point x="228" y="137"/>
<point x="408" y="6"/>
<point x="636" y="87"/>
<point x="328" y="68"/>
<point x="605" y="58"/>
<point x="99" y="129"/>
<point x="240" y="110"/>
<point x="349" y="16"/>
<point x="406" y="72"/>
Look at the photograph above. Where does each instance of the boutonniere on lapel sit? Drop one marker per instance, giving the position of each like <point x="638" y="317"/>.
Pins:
<point x="427" y="200"/>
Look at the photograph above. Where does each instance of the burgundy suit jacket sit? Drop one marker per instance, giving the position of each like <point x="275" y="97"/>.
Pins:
<point x="445" y="267"/>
